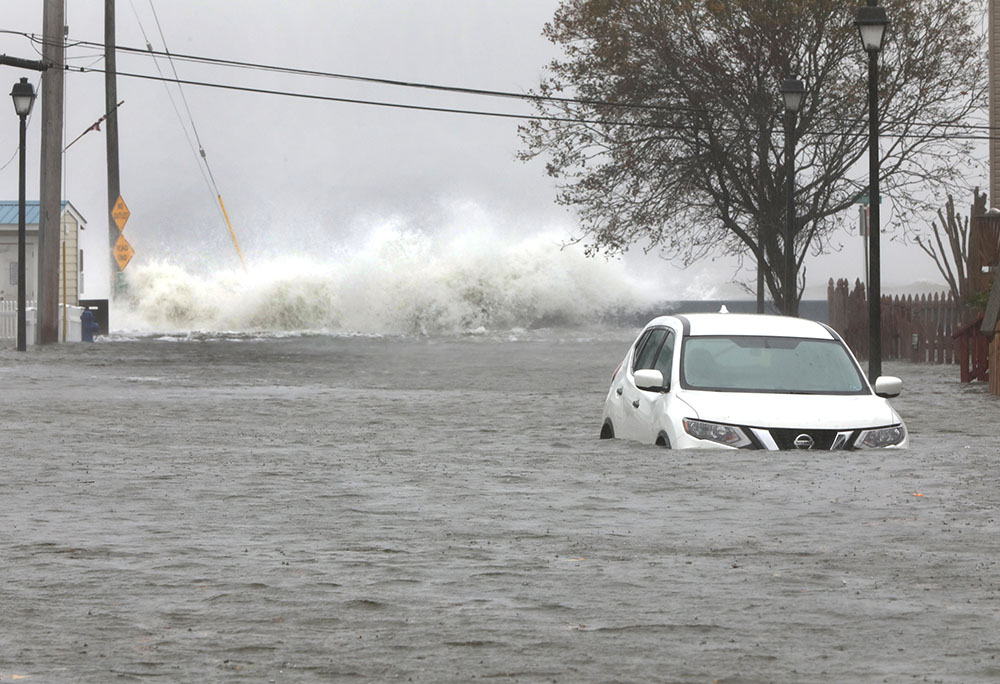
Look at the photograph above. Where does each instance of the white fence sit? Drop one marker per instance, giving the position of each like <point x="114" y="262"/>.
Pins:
<point x="8" y="319"/>
<point x="8" y="322"/>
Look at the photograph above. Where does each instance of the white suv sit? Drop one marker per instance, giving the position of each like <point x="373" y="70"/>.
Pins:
<point x="745" y="381"/>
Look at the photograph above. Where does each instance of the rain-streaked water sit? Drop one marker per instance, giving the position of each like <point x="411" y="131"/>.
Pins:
<point x="430" y="509"/>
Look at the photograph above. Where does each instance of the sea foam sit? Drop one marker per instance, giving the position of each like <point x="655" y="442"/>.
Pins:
<point x="397" y="281"/>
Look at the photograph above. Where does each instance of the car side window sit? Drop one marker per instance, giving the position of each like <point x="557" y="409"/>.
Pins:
<point x="665" y="359"/>
<point x="647" y="349"/>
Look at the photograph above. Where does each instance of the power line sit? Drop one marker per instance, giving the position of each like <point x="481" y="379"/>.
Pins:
<point x="399" y="83"/>
<point x="508" y="115"/>
<point x="201" y="148"/>
<point x="531" y="97"/>
<point x="173" y="103"/>
<point x="491" y="93"/>
<point x="187" y="108"/>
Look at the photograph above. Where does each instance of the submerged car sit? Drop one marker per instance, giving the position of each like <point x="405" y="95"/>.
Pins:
<point x="748" y="381"/>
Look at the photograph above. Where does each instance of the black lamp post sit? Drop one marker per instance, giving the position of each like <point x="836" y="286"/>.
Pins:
<point x="792" y="90"/>
<point x="24" y="97"/>
<point x="872" y="22"/>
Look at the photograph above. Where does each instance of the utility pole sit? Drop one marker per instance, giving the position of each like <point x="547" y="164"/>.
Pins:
<point x="111" y="135"/>
<point x="50" y="194"/>
<point x="993" y="60"/>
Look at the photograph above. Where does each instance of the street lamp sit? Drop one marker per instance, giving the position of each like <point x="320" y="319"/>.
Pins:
<point x="24" y="97"/>
<point x="793" y="90"/>
<point x="872" y="23"/>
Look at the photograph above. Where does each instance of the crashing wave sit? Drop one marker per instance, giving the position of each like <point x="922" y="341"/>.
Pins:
<point x="398" y="282"/>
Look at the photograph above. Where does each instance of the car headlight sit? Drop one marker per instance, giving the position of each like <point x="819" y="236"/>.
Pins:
<point x="881" y="437"/>
<point x="729" y="435"/>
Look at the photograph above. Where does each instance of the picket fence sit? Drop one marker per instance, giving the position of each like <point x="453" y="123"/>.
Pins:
<point x="920" y="328"/>
<point x="8" y="321"/>
<point x="8" y="318"/>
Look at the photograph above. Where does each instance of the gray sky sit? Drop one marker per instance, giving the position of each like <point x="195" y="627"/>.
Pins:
<point x="311" y="168"/>
<point x="299" y="176"/>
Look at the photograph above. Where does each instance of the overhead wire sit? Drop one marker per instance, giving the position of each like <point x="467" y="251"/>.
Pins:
<point x="530" y="97"/>
<point x="533" y="97"/>
<point x="194" y="127"/>
<point x="173" y="103"/>
<point x="452" y="110"/>
<point x="187" y="107"/>
<point x="510" y="115"/>
<point x="296" y="71"/>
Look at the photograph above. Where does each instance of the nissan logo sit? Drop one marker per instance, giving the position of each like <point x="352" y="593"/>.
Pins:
<point x="803" y="441"/>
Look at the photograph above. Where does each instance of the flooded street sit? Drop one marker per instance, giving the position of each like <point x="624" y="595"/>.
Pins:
<point x="441" y="510"/>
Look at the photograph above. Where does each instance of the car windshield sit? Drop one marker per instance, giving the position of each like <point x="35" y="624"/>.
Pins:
<point x="769" y="364"/>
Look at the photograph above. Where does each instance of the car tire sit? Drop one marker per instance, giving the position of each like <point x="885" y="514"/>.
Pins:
<point x="607" y="430"/>
<point x="663" y="440"/>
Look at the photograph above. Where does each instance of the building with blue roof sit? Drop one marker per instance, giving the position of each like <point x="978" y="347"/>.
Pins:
<point x="71" y="271"/>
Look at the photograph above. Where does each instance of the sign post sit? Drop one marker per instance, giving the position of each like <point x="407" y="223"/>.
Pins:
<point x="863" y="222"/>
<point x="122" y="250"/>
<point x="120" y="214"/>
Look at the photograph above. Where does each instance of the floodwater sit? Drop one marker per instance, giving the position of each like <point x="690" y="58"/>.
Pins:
<point x="377" y="509"/>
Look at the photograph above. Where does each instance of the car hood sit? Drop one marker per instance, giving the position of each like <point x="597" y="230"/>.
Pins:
<point x="791" y="410"/>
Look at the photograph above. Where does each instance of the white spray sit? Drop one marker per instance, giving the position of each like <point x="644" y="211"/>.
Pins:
<point x="398" y="281"/>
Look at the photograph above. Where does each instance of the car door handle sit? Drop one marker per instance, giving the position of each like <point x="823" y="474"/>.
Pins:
<point x="619" y="391"/>
<point x="635" y="404"/>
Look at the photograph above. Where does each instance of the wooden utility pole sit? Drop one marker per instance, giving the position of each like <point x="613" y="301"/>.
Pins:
<point x="993" y="60"/>
<point x="992" y="314"/>
<point x="111" y="135"/>
<point x="50" y="194"/>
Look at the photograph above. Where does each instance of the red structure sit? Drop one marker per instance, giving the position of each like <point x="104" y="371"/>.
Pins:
<point x="973" y="351"/>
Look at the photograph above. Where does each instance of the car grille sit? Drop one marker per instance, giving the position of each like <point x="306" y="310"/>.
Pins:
<point x="823" y="440"/>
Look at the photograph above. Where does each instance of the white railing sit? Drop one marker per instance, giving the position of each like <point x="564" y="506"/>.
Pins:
<point x="8" y="318"/>
<point x="8" y="321"/>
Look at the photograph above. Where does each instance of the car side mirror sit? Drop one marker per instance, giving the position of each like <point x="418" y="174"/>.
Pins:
<point x="650" y="380"/>
<point x="887" y="386"/>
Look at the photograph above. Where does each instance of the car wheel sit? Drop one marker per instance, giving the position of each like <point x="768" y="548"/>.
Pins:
<point x="663" y="440"/>
<point x="607" y="430"/>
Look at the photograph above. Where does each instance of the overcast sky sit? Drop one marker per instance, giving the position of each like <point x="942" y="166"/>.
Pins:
<point x="299" y="175"/>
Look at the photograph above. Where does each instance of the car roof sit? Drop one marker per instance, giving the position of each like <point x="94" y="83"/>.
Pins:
<point x="704" y="324"/>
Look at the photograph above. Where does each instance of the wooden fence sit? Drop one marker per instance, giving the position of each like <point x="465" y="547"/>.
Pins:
<point x="973" y="351"/>
<point x="918" y="329"/>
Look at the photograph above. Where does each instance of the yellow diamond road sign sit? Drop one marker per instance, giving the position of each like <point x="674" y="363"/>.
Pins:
<point x="120" y="214"/>
<point x="123" y="252"/>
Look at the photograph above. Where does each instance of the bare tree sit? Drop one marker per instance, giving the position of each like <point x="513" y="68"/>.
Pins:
<point x="673" y="139"/>
<point x="952" y="261"/>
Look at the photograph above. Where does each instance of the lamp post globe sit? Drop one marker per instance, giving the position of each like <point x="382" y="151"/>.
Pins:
<point x="23" y="96"/>
<point x="793" y="91"/>
<point x="872" y="23"/>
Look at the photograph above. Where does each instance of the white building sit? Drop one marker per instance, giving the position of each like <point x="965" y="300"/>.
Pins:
<point x="71" y="260"/>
